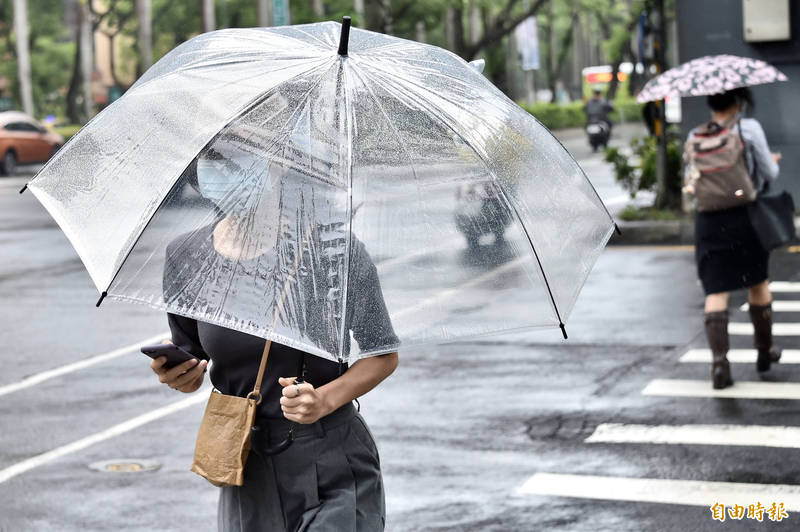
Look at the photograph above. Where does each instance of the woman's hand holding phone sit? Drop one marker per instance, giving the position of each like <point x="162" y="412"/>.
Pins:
<point x="186" y="377"/>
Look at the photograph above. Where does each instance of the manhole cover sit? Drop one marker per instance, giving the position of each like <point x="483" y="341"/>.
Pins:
<point x="127" y="465"/>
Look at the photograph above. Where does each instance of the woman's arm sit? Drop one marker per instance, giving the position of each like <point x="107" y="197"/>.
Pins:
<point x="189" y="376"/>
<point x="765" y="164"/>
<point x="305" y="404"/>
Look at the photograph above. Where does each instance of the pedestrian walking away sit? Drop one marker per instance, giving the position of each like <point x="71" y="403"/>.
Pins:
<point x="729" y="163"/>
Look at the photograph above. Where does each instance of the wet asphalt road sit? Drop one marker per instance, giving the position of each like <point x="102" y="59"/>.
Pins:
<point x="460" y="427"/>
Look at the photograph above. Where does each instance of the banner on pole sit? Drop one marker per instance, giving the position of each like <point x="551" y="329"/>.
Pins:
<point x="280" y="13"/>
<point x="527" y="36"/>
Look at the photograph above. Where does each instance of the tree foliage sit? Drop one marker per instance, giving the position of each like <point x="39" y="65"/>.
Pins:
<point x="470" y="28"/>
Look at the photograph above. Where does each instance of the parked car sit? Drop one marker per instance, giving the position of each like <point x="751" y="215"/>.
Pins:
<point x="23" y="140"/>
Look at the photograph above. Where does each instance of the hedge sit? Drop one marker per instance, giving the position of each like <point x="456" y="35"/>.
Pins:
<point x="561" y="116"/>
<point x="67" y="131"/>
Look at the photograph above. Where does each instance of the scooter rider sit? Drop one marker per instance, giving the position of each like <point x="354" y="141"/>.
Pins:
<point x="597" y="109"/>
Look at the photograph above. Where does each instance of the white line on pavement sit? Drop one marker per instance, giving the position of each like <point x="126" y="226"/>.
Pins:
<point x="444" y="294"/>
<point x="755" y="435"/>
<point x="32" y="380"/>
<point x="624" y="198"/>
<point x="784" y="286"/>
<point x="126" y="426"/>
<point x="665" y="491"/>
<point x="789" y="356"/>
<point x="778" y="306"/>
<point x="143" y="419"/>
<point x="778" y="329"/>
<point x="739" y="390"/>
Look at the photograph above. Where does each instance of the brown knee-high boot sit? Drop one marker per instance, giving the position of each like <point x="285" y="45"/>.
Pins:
<point x="717" y="334"/>
<point x="761" y="316"/>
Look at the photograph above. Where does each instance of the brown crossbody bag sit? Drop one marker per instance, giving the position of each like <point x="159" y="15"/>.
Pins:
<point x="223" y="441"/>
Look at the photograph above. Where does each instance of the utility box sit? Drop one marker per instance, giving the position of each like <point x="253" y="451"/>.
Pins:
<point x="766" y="20"/>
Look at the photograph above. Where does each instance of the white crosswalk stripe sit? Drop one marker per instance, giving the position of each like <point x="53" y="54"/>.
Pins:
<point x="739" y="390"/>
<point x="784" y="286"/>
<point x="778" y="306"/>
<point x="665" y="491"/>
<point x="778" y="329"/>
<point x="737" y="356"/>
<point x="741" y="435"/>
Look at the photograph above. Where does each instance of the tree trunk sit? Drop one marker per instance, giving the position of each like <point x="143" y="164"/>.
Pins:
<point x="421" y="34"/>
<point x="23" y="55"/>
<point x="386" y="12"/>
<point x="318" y="8"/>
<point x="144" y="17"/>
<point x="209" y="16"/>
<point x="87" y="60"/>
<point x="73" y="111"/>
<point x="457" y="22"/>
<point x="264" y="8"/>
<point x="358" y="7"/>
<point x="474" y="22"/>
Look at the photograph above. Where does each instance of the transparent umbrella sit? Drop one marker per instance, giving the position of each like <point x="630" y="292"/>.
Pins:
<point x="254" y="178"/>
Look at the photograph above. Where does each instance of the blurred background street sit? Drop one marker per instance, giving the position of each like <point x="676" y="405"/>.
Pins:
<point x="462" y="428"/>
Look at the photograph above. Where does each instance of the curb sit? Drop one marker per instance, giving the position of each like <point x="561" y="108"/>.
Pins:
<point x="642" y="233"/>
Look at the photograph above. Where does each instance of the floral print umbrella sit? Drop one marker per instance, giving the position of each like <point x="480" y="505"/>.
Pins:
<point x="711" y="74"/>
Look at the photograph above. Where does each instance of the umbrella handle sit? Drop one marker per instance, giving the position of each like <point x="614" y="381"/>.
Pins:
<point x="282" y="446"/>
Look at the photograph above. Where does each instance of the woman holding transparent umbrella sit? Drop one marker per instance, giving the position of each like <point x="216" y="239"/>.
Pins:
<point x="329" y="477"/>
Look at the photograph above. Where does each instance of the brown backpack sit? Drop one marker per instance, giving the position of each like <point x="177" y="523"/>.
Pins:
<point x="717" y="168"/>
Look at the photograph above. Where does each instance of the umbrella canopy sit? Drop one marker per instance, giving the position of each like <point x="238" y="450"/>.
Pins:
<point x="259" y="180"/>
<point x="711" y="74"/>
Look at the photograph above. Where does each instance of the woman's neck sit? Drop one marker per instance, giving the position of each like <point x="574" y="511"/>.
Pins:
<point x="238" y="240"/>
<point x="720" y="117"/>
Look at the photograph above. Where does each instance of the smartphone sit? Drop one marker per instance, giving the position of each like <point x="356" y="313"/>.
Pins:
<point x="175" y="355"/>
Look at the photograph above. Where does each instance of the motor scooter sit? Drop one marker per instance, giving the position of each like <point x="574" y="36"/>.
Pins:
<point x="598" y="131"/>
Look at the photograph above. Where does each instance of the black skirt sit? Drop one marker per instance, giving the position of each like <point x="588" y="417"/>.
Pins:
<point x="727" y="251"/>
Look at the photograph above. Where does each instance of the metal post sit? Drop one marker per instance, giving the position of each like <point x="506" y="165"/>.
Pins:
<point x="659" y="52"/>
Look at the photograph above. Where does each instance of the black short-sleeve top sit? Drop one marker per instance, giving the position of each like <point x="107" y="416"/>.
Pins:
<point x="236" y="355"/>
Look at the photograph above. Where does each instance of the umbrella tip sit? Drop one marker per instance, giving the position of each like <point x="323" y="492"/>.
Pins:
<point x="344" y="40"/>
<point x="102" y="297"/>
<point x="617" y="229"/>
<point x="23" y="189"/>
<point x="563" y="330"/>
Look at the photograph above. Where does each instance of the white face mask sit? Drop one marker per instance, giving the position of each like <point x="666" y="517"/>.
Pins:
<point x="236" y="184"/>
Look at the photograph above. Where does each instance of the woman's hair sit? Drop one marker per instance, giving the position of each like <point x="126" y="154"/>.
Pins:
<point x="726" y="100"/>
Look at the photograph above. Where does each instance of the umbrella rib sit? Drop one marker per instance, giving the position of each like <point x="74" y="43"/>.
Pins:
<point x="244" y="110"/>
<point x="343" y="329"/>
<point x="435" y="112"/>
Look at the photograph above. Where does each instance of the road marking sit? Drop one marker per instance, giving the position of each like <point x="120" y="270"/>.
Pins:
<point x="754" y="435"/>
<point x="32" y="380"/>
<point x="664" y="491"/>
<point x="778" y="329"/>
<point x="778" y="306"/>
<point x="739" y="390"/>
<point x="116" y="430"/>
<point x="784" y="286"/>
<point x="624" y="198"/>
<point x="450" y="292"/>
<point x="789" y="356"/>
<point x="390" y="263"/>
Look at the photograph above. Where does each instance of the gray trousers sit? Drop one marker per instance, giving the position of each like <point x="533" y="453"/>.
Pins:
<point x="328" y="480"/>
